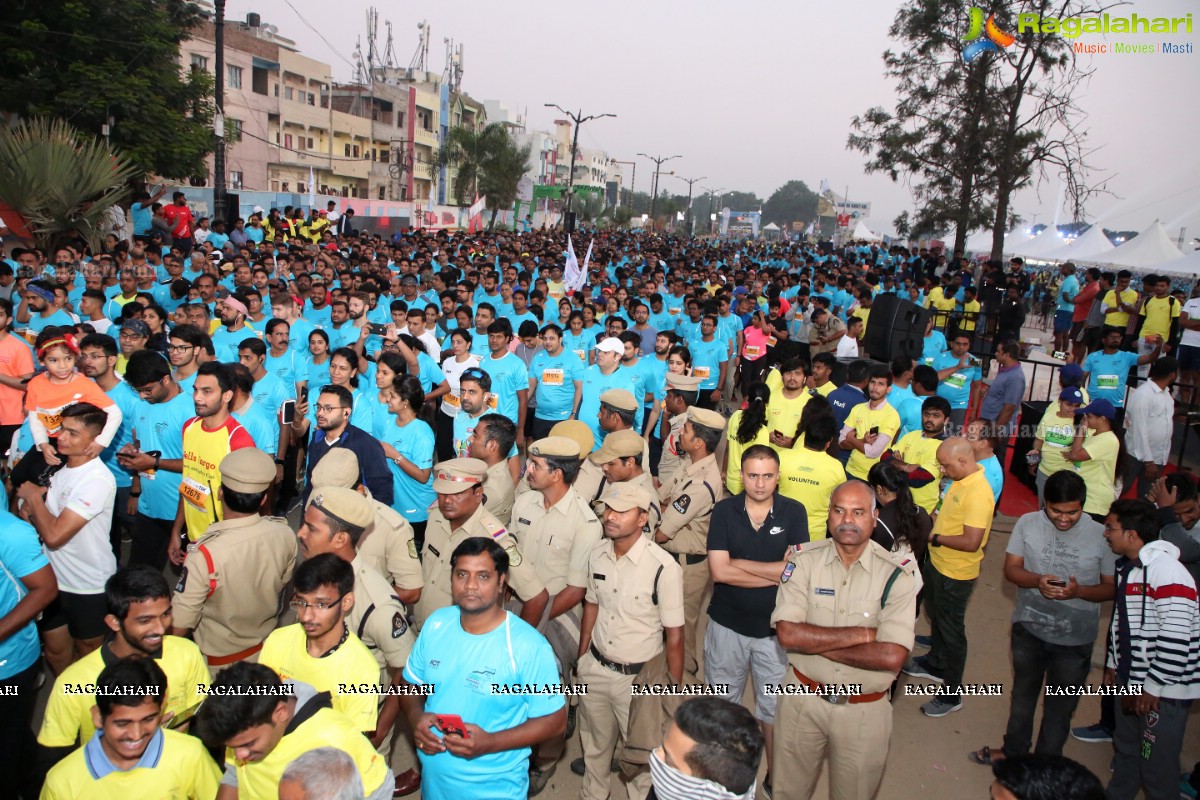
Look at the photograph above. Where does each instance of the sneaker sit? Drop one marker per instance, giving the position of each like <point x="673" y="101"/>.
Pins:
<point x="1092" y="733"/>
<point x="924" y="641"/>
<point x="538" y="778"/>
<point x="941" y="706"/>
<point x="919" y="668"/>
<point x="1185" y="786"/>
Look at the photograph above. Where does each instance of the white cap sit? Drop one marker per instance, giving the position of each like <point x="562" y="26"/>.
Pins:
<point x="612" y="345"/>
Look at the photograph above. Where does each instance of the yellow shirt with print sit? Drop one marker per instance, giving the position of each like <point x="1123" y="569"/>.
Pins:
<point x="917" y="448"/>
<point x="809" y="477"/>
<point x="184" y="771"/>
<point x="68" y="717"/>
<point x="941" y="304"/>
<point x="970" y="314"/>
<point x="286" y="652"/>
<point x="734" y="450"/>
<point x="1157" y="314"/>
<point x="862" y="418"/>
<point x="1118" y="319"/>
<point x="968" y="502"/>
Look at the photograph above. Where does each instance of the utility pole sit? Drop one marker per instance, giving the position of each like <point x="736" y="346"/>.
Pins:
<point x="658" y="162"/>
<point x="578" y="119"/>
<point x="219" y="199"/>
<point x="632" y="179"/>
<point x="711" y="222"/>
<point x="689" y="182"/>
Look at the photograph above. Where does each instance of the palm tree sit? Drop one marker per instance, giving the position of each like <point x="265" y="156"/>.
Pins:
<point x="502" y="171"/>
<point x="61" y="182"/>
<point x="468" y="150"/>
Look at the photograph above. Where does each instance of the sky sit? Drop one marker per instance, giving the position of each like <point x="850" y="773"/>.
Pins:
<point x="754" y="94"/>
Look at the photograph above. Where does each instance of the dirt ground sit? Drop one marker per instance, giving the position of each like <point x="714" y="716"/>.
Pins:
<point x="928" y="757"/>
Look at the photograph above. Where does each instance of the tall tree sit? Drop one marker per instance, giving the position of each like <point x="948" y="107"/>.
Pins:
<point x="502" y="171"/>
<point x="84" y="61"/>
<point x="468" y="150"/>
<point x="792" y="202"/>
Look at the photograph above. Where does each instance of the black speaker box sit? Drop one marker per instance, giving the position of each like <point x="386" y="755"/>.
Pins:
<point x="896" y="327"/>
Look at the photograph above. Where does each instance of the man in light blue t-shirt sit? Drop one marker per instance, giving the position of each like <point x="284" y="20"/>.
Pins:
<point x="1106" y="371"/>
<point x="1065" y="308"/>
<point x="482" y="663"/>
<point x="556" y="381"/>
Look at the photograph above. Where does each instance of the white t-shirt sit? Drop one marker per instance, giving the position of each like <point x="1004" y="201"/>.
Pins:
<point x="1192" y="309"/>
<point x="847" y="347"/>
<point x="86" y="562"/>
<point x="453" y="370"/>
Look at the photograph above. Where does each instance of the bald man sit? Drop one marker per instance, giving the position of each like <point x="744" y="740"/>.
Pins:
<point x="956" y="545"/>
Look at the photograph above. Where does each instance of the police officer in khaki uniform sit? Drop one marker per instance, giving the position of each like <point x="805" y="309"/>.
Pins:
<point x="557" y="532"/>
<point x="491" y="441"/>
<point x="227" y="598"/>
<point x="621" y="459"/>
<point x="618" y="408"/>
<point x="459" y="514"/>
<point x="337" y="518"/>
<point x="845" y="594"/>
<point x="387" y="546"/>
<point x="683" y="392"/>
<point x="688" y="502"/>
<point x="577" y="432"/>
<point x="634" y="596"/>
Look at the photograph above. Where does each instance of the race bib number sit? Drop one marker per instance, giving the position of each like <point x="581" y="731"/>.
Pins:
<point x="772" y="341"/>
<point x="753" y="351"/>
<point x="51" y="422"/>
<point x="957" y="380"/>
<point x="581" y="353"/>
<point x="453" y="400"/>
<point x="1058" y="438"/>
<point x="1108" y="382"/>
<point x="552" y="377"/>
<point x="196" y="494"/>
<point x="493" y="401"/>
<point x="674" y="312"/>
<point x="702" y="373"/>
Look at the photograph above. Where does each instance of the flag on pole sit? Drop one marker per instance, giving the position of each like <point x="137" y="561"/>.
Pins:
<point x="572" y="274"/>
<point x="583" y="272"/>
<point x="825" y="186"/>
<point x="312" y="191"/>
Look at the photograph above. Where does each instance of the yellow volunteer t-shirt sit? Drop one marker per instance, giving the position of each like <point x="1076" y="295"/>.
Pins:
<point x="971" y="313"/>
<point x="286" y="652"/>
<point x="916" y="448"/>
<point x="783" y="414"/>
<point x="941" y="304"/>
<point x="1157" y="314"/>
<point x="68" y="718"/>
<point x="181" y="769"/>
<point x="864" y="314"/>
<point x="734" y="449"/>
<point x="1057" y="435"/>
<point x="968" y="502"/>
<point x="1099" y="471"/>
<point x="825" y="390"/>
<point x="809" y="477"/>
<point x="862" y="418"/>
<point x="1118" y="319"/>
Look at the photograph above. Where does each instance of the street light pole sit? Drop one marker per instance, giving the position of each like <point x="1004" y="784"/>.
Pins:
<point x="658" y="162"/>
<point x="578" y="119"/>
<point x="219" y="211"/>
<point x="689" y="182"/>
<point x="632" y="179"/>
<point x="711" y="192"/>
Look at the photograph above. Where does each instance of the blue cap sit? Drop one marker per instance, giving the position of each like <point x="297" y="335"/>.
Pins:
<point x="1101" y="408"/>
<point x="1072" y="395"/>
<point x="1071" y="372"/>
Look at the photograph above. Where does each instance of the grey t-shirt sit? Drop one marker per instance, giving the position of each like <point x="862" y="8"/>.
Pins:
<point x="1079" y="551"/>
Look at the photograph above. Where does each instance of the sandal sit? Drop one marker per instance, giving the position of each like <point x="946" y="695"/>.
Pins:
<point x="985" y="757"/>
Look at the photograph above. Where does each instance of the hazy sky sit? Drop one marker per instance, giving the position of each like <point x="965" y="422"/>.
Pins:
<point x="779" y="85"/>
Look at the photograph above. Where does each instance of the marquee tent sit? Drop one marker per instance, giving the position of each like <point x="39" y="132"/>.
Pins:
<point x="1092" y="244"/>
<point x="1189" y="265"/>
<point x="1148" y="249"/>
<point x="1039" y="246"/>
<point x="863" y="233"/>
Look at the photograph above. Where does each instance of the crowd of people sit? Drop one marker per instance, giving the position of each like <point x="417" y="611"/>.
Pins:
<point x="692" y="467"/>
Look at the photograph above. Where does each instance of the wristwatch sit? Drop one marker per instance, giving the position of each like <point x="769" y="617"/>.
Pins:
<point x="934" y="541"/>
<point x="279" y="461"/>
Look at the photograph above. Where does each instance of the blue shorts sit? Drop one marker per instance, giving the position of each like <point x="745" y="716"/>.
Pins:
<point x="1062" y="321"/>
<point x="1189" y="358"/>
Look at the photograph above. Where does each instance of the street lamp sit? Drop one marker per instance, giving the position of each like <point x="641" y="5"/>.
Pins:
<point x="578" y="119"/>
<point x="690" y="181"/>
<point x="632" y="179"/>
<point x="711" y="216"/>
<point x="658" y="162"/>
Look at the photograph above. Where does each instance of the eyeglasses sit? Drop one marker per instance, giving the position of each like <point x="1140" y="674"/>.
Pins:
<point x="131" y="335"/>
<point x="320" y="605"/>
<point x="329" y="409"/>
<point x="180" y="348"/>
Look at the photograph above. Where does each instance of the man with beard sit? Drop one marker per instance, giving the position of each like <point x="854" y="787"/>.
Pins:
<point x="333" y="406"/>
<point x="871" y="427"/>
<point x="234" y="329"/>
<point x="38" y="310"/>
<point x="827" y="656"/>
<point x="916" y="453"/>
<point x="132" y="755"/>
<point x="139" y="615"/>
<point x="475" y="636"/>
<point x="316" y="308"/>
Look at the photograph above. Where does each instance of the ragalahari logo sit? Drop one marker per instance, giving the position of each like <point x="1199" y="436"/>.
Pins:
<point x="995" y="40"/>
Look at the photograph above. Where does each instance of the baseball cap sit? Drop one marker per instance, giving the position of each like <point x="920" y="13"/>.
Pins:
<point x="139" y="328"/>
<point x="612" y="345"/>
<point x="1071" y="372"/>
<point x="1101" y="408"/>
<point x="1071" y="394"/>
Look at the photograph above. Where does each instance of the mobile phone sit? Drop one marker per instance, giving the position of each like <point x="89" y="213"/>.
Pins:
<point x="874" y="430"/>
<point x="378" y="329"/>
<point x="452" y="723"/>
<point x="287" y="412"/>
<point x="303" y="394"/>
<point x="1057" y="582"/>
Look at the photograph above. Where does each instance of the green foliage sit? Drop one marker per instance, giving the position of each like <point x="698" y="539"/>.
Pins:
<point x="469" y="150"/>
<point x="83" y="61"/>
<point x="792" y="202"/>
<point x="502" y="170"/>
<point x="621" y="216"/>
<point x="741" y="201"/>
<point x="62" y="183"/>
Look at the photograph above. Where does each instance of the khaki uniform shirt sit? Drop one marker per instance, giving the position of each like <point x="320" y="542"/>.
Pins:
<point x="557" y="540"/>
<point x="388" y="548"/>
<point x="379" y="618"/>
<point x="646" y="481"/>
<point x="629" y="626"/>
<point x="688" y="502"/>
<point x="440" y="542"/>
<point x="233" y="605"/>
<point x="671" y="460"/>
<point x="498" y="491"/>
<point x="823" y="591"/>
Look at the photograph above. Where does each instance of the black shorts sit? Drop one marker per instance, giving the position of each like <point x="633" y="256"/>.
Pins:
<point x="82" y="614"/>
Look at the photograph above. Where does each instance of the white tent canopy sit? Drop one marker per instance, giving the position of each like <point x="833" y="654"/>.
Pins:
<point x="1189" y="265"/>
<point x="1148" y="249"/>
<point x="862" y="232"/>
<point x="1092" y="244"/>
<point x="1039" y="246"/>
<point x="771" y="226"/>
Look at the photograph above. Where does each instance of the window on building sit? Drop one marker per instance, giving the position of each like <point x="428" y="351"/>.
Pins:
<point x="310" y="143"/>
<point x="199" y="62"/>
<point x="355" y="149"/>
<point x="235" y="180"/>
<point x="384" y="156"/>
<point x="300" y="143"/>
<point x="285" y="186"/>
<point x="274" y="186"/>
<point x="258" y="80"/>
<point x="287" y="141"/>
<point x="233" y="130"/>
<point x="399" y="119"/>
<point x="289" y="93"/>
<point x="301" y="187"/>
<point x="312" y="99"/>
<point x="347" y="150"/>
<point x="233" y="76"/>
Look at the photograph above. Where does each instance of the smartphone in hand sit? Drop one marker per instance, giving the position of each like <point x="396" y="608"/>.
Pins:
<point x="452" y="723"/>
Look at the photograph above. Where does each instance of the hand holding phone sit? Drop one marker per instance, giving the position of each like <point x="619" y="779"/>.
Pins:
<point x="452" y="724"/>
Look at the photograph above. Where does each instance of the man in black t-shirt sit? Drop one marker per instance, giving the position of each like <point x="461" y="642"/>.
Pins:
<point x="750" y="537"/>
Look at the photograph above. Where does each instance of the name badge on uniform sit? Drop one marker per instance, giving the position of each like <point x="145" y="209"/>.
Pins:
<point x="597" y="576"/>
<point x="824" y="592"/>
